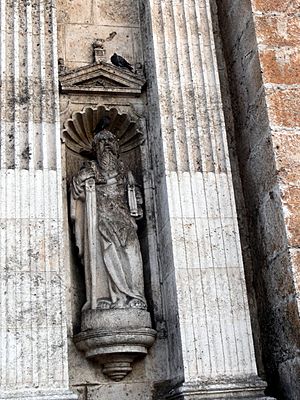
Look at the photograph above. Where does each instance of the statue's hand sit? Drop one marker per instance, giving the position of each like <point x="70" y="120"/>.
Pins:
<point x="85" y="174"/>
<point x="131" y="180"/>
<point x="79" y="182"/>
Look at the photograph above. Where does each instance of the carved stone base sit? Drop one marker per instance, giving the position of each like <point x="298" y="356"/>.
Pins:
<point x="115" y="338"/>
<point x="119" y="368"/>
<point x="249" y="388"/>
<point x="116" y="318"/>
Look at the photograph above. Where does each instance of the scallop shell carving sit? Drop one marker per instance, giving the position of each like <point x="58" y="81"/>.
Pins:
<point x="78" y="130"/>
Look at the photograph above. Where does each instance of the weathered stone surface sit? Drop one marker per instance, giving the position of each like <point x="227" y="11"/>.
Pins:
<point x="219" y="390"/>
<point x="239" y="15"/>
<point x="79" y="25"/>
<point x="100" y="77"/>
<point x="295" y="255"/>
<point x="33" y="331"/>
<point x="281" y="66"/>
<point x="260" y="159"/>
<point x="267" y="219"/>
<point x="291" y="198"/>
<point x="75" y="11"/>
<point x="116" y="318"/>
<point x="265" y="149"/>
<point x="287" y="148"/>
<point x="276" y="5"/>
<point x="120" y="13"/>
<point x="280" y="283"/>
<point x="290" y="372"/>
<point x="81" y="392"/>
<point x="202" y="274"/>
<point x="277" y="30"/>
<point x="283" y="107"/>
<point x="141" y="391"/>
<point x="79" y="40"/>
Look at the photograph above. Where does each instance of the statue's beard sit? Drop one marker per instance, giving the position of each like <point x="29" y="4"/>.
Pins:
<point x="108" y="161"/>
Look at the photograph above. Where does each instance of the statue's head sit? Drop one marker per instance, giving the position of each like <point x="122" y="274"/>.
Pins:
<point x="106" y="146"/>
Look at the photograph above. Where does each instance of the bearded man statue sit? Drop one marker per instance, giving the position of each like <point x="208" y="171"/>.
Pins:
<point x="105" y="202"/>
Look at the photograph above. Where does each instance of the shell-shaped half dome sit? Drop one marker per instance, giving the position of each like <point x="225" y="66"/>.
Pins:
<point x="78" y="130"/>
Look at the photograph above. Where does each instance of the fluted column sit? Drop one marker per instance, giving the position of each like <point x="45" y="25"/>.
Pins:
<point x="33" y="352"/>
<point x="209" y="331"/>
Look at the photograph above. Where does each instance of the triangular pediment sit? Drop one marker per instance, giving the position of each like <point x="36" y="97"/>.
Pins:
<point x="101" y="78"/>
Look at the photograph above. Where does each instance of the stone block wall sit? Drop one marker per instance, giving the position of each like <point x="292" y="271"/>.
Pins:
<point x="278" y="29"/>
<point x="81" y="22"/>
<point x="260" y="41"/>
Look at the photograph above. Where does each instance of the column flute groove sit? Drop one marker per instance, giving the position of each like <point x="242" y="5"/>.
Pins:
<point x="33" y="331"/>
<point x="174" y="91"/>
<point x="206" y="268"/>
<point x="187" y="90"/>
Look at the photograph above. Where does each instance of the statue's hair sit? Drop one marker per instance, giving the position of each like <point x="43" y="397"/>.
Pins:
<point x="104" y="134"/>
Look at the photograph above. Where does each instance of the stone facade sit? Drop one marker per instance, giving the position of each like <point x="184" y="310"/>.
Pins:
<point x="262" y="56"/>
<point x="207" y="125"/>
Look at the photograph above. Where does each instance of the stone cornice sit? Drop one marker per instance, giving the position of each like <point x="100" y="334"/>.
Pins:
<point x="101" y="78"/>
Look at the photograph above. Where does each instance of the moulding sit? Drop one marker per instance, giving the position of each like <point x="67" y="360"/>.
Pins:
<point x="101" y="78"/>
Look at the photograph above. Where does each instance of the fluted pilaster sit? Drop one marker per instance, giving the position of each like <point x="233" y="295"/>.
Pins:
<point x="209" y="328"/>
<point x="33" y="349"/>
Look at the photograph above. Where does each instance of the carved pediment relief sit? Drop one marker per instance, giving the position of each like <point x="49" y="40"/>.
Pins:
<point x="101" y="78"/>
<point x="97" y="82"/>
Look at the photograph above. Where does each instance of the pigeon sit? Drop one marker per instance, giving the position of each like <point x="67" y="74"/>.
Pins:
<point x="119" y="61"/>
<point x="102" y="124"/>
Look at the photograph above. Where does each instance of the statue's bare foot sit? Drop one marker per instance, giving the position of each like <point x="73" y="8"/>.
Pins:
<point x="136" y="303"/>
<point x="121" y="303"/>
<point x="103" y="304"/>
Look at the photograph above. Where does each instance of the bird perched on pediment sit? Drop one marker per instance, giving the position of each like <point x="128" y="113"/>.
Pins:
<point x="119" y="61"/>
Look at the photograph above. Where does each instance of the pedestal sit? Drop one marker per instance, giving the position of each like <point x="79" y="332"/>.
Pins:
<point x="115" y="338"/>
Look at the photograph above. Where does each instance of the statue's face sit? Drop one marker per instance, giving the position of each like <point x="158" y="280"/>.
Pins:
<point x="106" y="145"/>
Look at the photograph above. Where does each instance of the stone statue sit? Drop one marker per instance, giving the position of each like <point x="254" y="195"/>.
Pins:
<point x="105" y="202"/>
